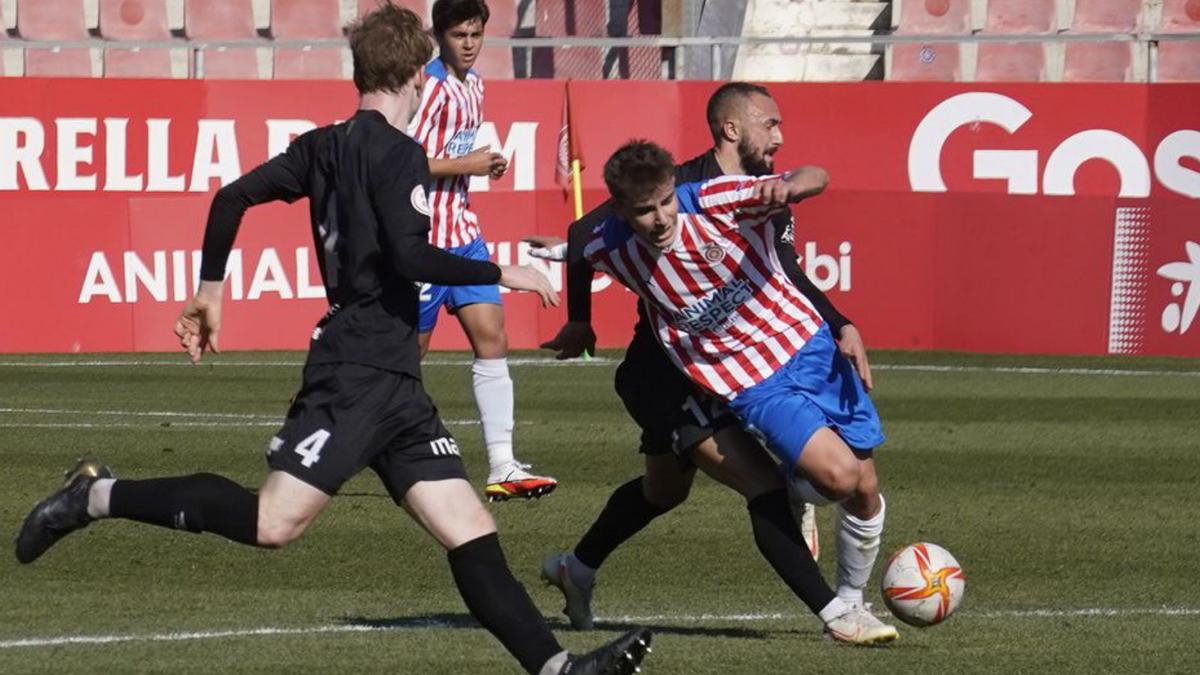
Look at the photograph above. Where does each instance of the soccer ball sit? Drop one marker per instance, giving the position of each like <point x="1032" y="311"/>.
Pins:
<point x="922" y="584"/>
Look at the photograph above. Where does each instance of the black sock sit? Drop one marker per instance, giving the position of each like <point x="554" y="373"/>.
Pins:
<point x="499" y="602"/>
<point x="625" y="514"/>
<point x="201" y="502"/>
<point x="778" y="538"/>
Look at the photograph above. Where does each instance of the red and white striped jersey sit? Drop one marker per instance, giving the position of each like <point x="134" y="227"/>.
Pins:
<point x="446" y="124"/>
<point x="718" y="299"/>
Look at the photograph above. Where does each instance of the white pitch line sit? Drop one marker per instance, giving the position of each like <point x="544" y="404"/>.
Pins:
<point x="267" y="631"/>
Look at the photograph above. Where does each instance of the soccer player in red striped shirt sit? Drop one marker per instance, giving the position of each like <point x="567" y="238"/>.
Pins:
<point x="446" y="124"/>
<point x="702" y="257"/>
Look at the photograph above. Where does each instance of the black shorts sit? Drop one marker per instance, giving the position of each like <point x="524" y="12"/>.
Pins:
<point x="673" y="415"/>
<point x="348" y="417"/>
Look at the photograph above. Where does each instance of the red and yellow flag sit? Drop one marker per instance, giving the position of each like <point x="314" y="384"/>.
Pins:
<point x="570" y="155"/>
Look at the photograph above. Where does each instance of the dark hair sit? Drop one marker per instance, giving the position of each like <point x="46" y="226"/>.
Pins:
<point x="723" y="98"/>
<point x="636" y="170"/>
<point x="389" y="46"/>
<point x="448" y="13"/>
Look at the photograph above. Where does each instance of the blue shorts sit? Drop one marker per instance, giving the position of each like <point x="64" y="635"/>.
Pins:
<point x="453" y="297"/>
<point x="817" y="388"/>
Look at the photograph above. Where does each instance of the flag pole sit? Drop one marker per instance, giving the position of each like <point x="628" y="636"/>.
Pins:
<point x="577" y="184"/>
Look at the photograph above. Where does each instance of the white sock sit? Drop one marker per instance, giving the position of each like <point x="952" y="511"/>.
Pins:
<point x="554" y="664"/>
<point x="98" y="497"/>
<point x="857" y="549"/>
<point x="494" y="398"/>
<point x="833" y="610"/>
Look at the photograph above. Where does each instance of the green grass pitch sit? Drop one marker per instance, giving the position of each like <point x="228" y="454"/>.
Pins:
<point x="1067" y="492"/>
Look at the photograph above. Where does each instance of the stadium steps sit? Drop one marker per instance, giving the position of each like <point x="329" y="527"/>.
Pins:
<point x="811" y="18"/>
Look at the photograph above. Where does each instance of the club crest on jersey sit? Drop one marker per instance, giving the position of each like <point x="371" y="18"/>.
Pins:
<point x="713" y="252"/>
<point x="418" y="199"/>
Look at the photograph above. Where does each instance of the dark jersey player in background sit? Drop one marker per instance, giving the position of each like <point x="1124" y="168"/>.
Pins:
<point x="744" y="122"/>
<point x="362" y="403"/>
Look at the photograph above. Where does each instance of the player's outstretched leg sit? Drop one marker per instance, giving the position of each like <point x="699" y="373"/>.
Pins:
<point x="449" y="510"/>
<point x="61" y="513"/>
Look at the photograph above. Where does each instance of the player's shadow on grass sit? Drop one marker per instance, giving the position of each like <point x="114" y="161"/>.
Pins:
<point x="445" y="620"/>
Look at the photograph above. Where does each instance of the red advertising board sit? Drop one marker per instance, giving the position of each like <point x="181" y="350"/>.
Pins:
<point x="1048" y="218"/>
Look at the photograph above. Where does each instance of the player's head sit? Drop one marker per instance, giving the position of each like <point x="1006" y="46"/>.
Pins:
<point x="458" y="28"/>
<point x="745" y="115"/>
<point x="390" y="50"/>
<point x="640" y="175"/>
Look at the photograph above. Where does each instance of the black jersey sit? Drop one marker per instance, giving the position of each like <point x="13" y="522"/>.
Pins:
<point x="365" y="181"/>
<point x="697" y="169"/>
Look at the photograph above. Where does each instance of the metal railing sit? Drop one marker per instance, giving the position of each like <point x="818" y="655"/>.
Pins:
<point x="716" y="43"/>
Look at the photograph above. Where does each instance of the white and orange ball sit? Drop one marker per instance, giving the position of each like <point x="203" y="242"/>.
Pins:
<point x="922" y="584"/>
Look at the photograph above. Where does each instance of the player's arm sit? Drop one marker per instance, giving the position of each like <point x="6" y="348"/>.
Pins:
<point x="428" y="132"/>
<point x="478" y="162"/>
<point x="793" y="186"/>
<point x="397" y="193"/>
<point x="280" y="178"/>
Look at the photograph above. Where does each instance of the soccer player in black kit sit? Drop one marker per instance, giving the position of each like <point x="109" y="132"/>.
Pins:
<point x="362" y="403"/>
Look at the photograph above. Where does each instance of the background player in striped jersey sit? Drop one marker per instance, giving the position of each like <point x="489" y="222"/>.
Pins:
<point x="701" y="256"/>
<point x="446" y="125"/>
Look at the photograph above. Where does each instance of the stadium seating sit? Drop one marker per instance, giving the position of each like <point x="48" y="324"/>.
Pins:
<point x="939" y="61"/>
<point x="1101" y="61"/>
<point x="497" y="62"/>
<point x="135" y="62"/>
<point x="305" y="19"/>
<point x="574" y="18"/>
<point x="1180" y="16"/>
<point x="219" y="19"/>
<point x="1179" y="61"/>
<point x="1021" y="16"/>
<point x="309" y="63"/>
<point x="420" y="7"/>
<point x="134" y="20"/>
<point x="232" y="63"/>
<point x="51" y="20"/>
<point x="1098" y="62"/>
<point x="1106" y="16"/>
<point x="1020" y="61"/>
<point x="56" y="62"/>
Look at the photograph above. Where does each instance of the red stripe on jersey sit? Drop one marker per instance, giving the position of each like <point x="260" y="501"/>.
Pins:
<point x="450" y="117"/>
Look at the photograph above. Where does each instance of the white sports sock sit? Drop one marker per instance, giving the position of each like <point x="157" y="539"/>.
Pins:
<point x="857" y="549"/>
<point x="98" y="497"/>
<point x="833" y="610"/>
<point x="494" y="398"/>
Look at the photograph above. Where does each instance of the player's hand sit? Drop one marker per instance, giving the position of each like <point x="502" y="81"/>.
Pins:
<point x="479" y="162"/>
<point x="499" y="166"/>
<point x="573" y="339"/>
<point x="850" y="342"/>
<point x="547" y="247"/>
<point x="805" y="181"/>
<point x="772" y="192"/>
<point x="525" y="278"/>
<point x="199" y="323"/>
